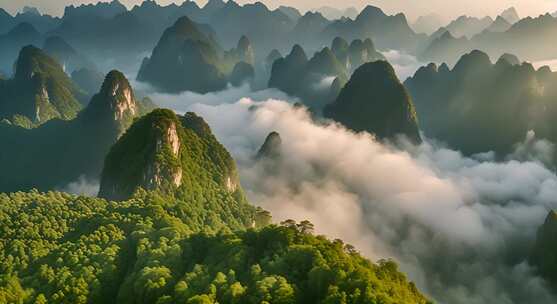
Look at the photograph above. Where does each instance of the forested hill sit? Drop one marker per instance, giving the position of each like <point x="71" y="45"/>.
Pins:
<point x="59" y="248"/>
<point x="181" y="233"/>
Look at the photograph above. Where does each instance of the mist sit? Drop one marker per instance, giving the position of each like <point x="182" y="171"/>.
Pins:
<point x="82" y="186"/>
<point x="461" y="227"/>
<point x="447" y="9"/>
<point x="405" y="65"/>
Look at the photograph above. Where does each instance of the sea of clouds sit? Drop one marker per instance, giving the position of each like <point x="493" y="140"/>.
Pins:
<point x="460" y="227"/>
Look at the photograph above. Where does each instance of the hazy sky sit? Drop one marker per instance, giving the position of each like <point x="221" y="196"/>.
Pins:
<point x="413" y="8"/>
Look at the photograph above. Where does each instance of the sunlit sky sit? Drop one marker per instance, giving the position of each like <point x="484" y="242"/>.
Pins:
<point x="413" y="8"/>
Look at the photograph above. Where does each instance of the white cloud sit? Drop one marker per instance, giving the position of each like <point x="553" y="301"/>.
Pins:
<point x="461" y="227"/>
<point x="82" y="186"/>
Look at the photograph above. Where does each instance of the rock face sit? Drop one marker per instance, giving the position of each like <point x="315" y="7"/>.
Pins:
<point x="185" y="59"/>
<point x="115" y="103"/>
<point x="60" y="152"/>
<point x="544" y="253"/>
<point x="375" y="101"/>
<point x="167" y="153"/>
<point x="39" y="90"/>
<point x="271" y="148"/>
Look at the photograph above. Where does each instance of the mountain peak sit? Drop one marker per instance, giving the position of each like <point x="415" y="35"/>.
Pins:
<point x="162" y="151"/>
<point x="244" y="42"/>
<point x="473" y="59"/>
<point x="271" y="148"/>
<point x="115" y="101"/>
<point x="298" y="53"/>
<point x="508" y="58"/>
<point x="371" y="12"/>
<point x="156" y="136"/>
<point x="184" y="26"/>
<point x="214" y="5"/>
<point x="339" y="44"/>
<point x="375" y="101"/>
<point x="32" y="60"/>
<point x="511" y="15"/>
<point x="30" y="10"/>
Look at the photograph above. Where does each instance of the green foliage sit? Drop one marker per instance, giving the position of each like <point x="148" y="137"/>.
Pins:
<point x="58" y="152"/>
<point x="500" y="101"/>
<point x="185" y="58"/>
<point x="375" y="101"/>
<point x="40" y="90"/>
<point x="144" y="157"/>
<point x="59" y="248"/>
<point x="303" y="78"/>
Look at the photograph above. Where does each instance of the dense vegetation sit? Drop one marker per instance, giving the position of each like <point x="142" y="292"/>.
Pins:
<point x="39" y="91"/>
<point x="313" y="79"/>
<point x="59" y="248"/>
<point x="188" y="59"/>
<point x="61" y="151"/>
<point x="501" y="101"/>
<point x="375" y="101"/>
<point x="170" y="153"/>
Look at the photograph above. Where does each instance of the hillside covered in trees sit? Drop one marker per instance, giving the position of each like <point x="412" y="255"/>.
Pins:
<point x="190" y="237"/>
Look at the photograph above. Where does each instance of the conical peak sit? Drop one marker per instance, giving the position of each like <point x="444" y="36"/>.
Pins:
<point x="115" y="83"/>
<point x="339" y="44"/>
<point x="32" y="60"/>
<point x="272" y="146"/>
<point x="115" y="100"/>
<point x="244" y="43"/>
<point x="298" y="52"/>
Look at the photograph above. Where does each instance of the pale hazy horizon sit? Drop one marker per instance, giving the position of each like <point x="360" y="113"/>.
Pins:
<point x="412" y="8"/>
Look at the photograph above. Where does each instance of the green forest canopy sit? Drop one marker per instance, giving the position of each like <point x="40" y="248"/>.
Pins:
<point x="60" y="248"/>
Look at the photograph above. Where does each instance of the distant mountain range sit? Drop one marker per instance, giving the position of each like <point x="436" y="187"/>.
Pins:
<point x="39" y="91"/>
<point x="507" y="33"/>
<point x="187" y="59"/>
<point x="502" y="101"/>
<point x="317" y="80"/>
<point x="61" y="151"/>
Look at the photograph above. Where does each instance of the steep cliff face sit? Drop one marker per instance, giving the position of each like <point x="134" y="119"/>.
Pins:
<point x="156" y="171"/>
<point x="115" y="103"/>
<point x="170" y="154"/>
<point x="59" y="152"/>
